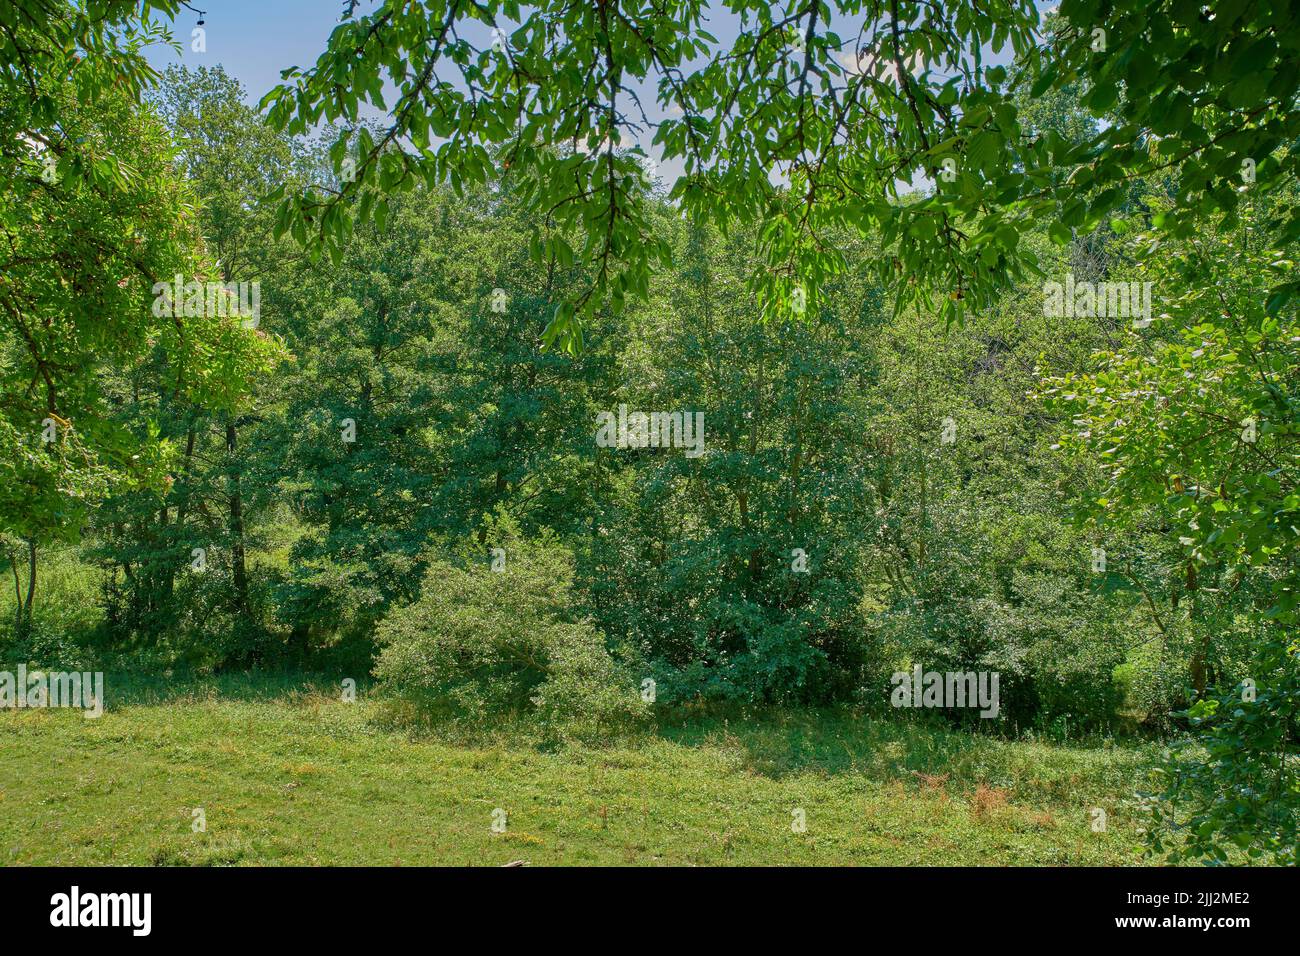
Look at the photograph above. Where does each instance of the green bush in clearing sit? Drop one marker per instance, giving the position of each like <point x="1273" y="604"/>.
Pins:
<point x="498" y="634"/>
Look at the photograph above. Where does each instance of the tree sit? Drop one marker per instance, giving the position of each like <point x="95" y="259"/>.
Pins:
<point x="803" y="128"/>
<point x="93" y="219"/>
<point x="1192" y="427"/>
<point x="729" y="566"/>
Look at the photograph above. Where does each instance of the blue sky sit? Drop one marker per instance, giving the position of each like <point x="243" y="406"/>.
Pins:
<point x="255" y="39"/>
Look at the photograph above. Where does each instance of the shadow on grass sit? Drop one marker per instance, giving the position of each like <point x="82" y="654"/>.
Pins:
<point x="774" y="742"/>
<point x="924" y="753"/>
<point x="150" y="690"/>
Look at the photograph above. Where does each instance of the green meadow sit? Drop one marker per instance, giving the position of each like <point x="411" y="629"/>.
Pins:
<point x="286" y="773"/>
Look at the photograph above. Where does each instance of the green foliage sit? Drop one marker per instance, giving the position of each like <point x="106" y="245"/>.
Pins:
<point x="1192" y="428"/>
<point x="698" y="559"/>
<point x="95" y="219"/>
<point x="1236" y="785"/>
<point x="841" y="119"/>
<point x="873" y="491"/>
<point x="84" y="254"/>
<point x="481" y="641"/>
<point x="53" y="630"/>
<point x="195" y="400"/>
<point x="88" y="49"/>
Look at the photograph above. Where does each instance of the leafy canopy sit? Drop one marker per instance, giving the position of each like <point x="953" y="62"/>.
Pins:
<point x="815" y="116"/>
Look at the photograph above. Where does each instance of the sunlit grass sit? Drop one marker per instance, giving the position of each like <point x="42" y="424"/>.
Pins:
<point x="286" y="773"/>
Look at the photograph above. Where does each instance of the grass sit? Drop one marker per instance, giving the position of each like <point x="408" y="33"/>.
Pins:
<point x="286" y="773"/>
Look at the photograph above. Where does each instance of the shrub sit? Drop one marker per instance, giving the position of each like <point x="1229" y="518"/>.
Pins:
<point x="1072" y="643"/>
<point x="481" y="641"/>
<point x="64" y="615"/>
<point x="1054" y="645"/>
<point x="1236" y="783"/>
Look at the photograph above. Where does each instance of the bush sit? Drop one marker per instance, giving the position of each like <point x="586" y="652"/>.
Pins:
<point x="1072" y="644"/>
<point x="1236" y="784"/>
<point x="64" y="617"/>
<point x="480" y="641"/>
<point x="1054" y="645"/>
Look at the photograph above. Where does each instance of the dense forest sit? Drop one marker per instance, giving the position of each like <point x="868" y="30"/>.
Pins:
<point x="442" y="448"/>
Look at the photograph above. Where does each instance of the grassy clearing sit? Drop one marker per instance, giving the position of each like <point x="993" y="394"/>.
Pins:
<point x="288" y="774"/>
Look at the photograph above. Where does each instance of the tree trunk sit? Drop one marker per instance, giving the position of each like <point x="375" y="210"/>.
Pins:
<point x="1200" y="655"/>
<point x="18" y="592"/>
<point x="23" y="612"/>
<point x="239" y="571"/>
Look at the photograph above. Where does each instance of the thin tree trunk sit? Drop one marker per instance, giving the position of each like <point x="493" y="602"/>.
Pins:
<point x="29" y="603"/>
<point x="1201" y="653"/>
<point x="183" y="505"/>
<point x="18" y="591"/>
<point x="238" y="568"/>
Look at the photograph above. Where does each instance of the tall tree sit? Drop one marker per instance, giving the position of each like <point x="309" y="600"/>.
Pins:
<point x="92" y="218"/>
<point x="813" y="117"/>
